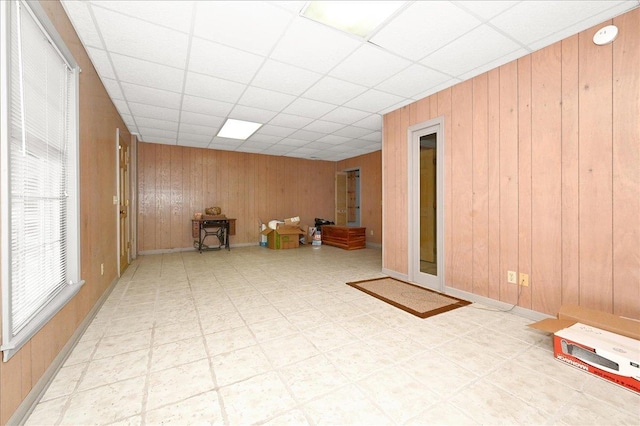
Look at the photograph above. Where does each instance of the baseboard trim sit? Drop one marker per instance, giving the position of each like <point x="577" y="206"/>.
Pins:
<point x="27" y="406"/>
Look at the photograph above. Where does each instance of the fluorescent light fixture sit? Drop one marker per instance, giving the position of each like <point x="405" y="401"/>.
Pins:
<point x="356" y="17"/>
<point x="238" y="129"/>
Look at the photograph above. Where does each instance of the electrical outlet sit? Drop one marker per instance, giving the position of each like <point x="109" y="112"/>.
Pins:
<point x="371" y="232"/>
<point x="102" y="269"/>
<point x="524" y="280"/>
<point x="512" y="277"/>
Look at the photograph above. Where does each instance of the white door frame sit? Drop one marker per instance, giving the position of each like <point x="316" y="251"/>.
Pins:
<point x="414" y="133"/>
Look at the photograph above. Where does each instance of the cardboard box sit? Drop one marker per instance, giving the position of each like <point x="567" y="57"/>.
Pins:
<point x="600" y="343"/>
<point x="283" y="237"/>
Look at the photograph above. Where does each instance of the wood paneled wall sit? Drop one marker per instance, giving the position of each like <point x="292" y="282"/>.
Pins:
<point x="370" y="166"/>
<point x="175" y="182"/>
<point x="98" y="123"/>
<point x="542" y="176"/>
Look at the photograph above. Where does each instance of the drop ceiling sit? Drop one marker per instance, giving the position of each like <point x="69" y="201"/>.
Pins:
<point x="176" y="70"/>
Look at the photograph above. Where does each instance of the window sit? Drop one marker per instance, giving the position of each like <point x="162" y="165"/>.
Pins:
<point x="39" y="176"/>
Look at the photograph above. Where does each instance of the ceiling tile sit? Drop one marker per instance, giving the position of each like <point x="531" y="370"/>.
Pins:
<point x="113" y="88"/>
<point x="529" y="21"/>
<point x="288" y="120"/>
<point x="323" y="126"/>
<point x="195" y="129"/>
<point x="196" y="137"/>
<point x="257" y="115"/>
<point x="494" y="64"/>
<point x="207" y="57"/>
<point x="269" y="129"/>
<point x="293" y="142"/>
<point x="472" y="50"/>
<point x="487" y="9"/>
<point x="423" y="27"/>
<point x="308" y="108"/>
<point x="192" y="143"/>
<point x="306" y="135"/>
<point x="83" y="22"/>
<point x="372" y="122"/>
<point x="374" y="101"/>
<point x="157" y="139"/>
<point x="374" y="137"/>
<point x="352" y="132"/>
<point x="334" y="139"/>
<point x="212" y="87"/>
<point x="206" y="106"/>
<point x="152" y="123"/>
<point x="144" y="73"/>
<point x="277" y="150"/>
<point x="412" y="80"/>
<point x="169" y="13"/>
<point x="272" y="76"/>
<point x="122" y="106"/>
<point x="188" y="117"/>
<point x="369" y="65"/>
<point x="152" y="111"/>
<point x="308" y="44"/>
<point x="265" y="138"/>
<point x="345" y="115"/>
<point x="333" y="91"/>
<point x="101" y="62"/>
<point x="226" y="142"/>
<point x="150" y="96"/>
<point x="151" y="132"/>
<point x="437" y="88"/>
<point x="140" y="39"/>
<point x="265" y="99"/>
<point x="253" y="26"/>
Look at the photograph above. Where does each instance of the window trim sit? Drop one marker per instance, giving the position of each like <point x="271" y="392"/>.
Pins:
<point x="11" y="345"/>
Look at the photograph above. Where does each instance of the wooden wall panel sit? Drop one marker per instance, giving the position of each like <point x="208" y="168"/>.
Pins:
<point x="560" y="176"/>
<point x="626" y="168"/>
<point x="460" y="145"/>
<point x="524" y="176"/>
<point x="508" y="178"/>
<point x="247" y="187"/>
<point x="570" y="176"/>
<point x="444" y="109"/>
<point x="595" y="158"/>
<point x="480" y="182"/>
<point x="493" y="179"/>
<point x="370" y="166"/>
<point x="546" y="160"/>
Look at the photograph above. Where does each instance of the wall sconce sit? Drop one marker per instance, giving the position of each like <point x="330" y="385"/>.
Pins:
<point x="605" y="35"/>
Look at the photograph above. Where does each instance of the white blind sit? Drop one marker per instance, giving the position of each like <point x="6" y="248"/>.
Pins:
<point x="38" y="137"/>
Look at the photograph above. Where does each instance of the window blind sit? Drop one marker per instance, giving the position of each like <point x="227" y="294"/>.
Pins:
<point x="40" y="177"/>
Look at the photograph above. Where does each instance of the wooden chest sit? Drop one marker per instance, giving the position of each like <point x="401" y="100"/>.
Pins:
<point x="346" y="237"/>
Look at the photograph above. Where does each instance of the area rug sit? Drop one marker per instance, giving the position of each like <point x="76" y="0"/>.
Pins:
<point x="411" y="298"/>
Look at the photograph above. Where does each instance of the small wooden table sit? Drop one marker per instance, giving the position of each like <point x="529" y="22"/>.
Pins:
<point x="346" y="237"/>
<point x="220" y="228"/>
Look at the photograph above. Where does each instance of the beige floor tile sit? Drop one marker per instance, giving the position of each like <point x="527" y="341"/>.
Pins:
<point x="399" y="395"/>
<point x="178" y="353"/>
<point x="106" y="404"/>
<point x="346" y="406"/>
<point x="229" y="340"/>
<point x="439" y="374"/>
<point x="65" y="381"/>
<point x="115" y="368"/>
<point x="488" y="404"/>
<point x="442" y="413"/>
<point x="272" y="329"/>
<point x="203" y="409"/>
<point x="288" y="350"/>
<point x="46" y="412"/>
<point x="116" y="345"/>
<point x="175" y="332"/>
<point x="312" y="377"/>
<point x="329" y="336"/>
<point x="255" y="400"/>
<point x="356" y="363"/>
<point x="586" y="410"/>
<point x="239" y="365"/>
<point x="82" y="352"/>
<point x="178" y="383"/>
<point x="293" y="418"/>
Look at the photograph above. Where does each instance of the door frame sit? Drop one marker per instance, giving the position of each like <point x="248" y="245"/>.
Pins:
<point x="358" y="201"/>
<point x="435" y="125"/>
<point x="119" y="198"/>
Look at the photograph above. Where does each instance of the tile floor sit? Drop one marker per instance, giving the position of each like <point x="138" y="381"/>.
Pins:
<point x="256" y="336"/>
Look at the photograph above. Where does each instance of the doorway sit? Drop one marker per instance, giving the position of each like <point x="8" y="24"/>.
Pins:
<point x="124" y="240"/>
<point x="353" y="197"/>
<point x="426" y="204"/>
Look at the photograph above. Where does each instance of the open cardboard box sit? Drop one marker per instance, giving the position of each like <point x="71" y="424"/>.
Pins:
<point x="603" y="344"/>
<point x="283" y="237"/>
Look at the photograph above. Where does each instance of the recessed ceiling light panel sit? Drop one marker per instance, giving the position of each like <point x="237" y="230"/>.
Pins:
<point x="356" y="17"/>
<point x="238" y="129"/>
